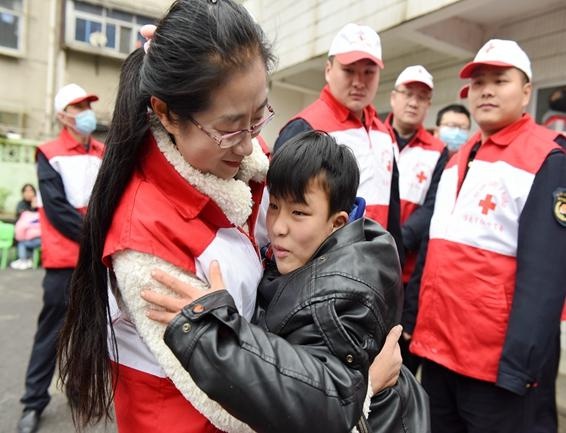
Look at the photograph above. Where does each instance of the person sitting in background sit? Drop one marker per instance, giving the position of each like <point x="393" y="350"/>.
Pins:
<point x="28" y="235"/>
<point x="453" y="126"/>
<point x="27" y="228"/>
<point x="28" y="201"/>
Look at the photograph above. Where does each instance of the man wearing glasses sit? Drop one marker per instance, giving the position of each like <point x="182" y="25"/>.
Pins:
<point x="344" y="110"/>
<point x="421" y="160"/>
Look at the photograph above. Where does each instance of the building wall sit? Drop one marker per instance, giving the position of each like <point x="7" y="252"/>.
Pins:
<point x="303" y="30"/>
<point x="23" y="78"/>
<point x="29" y="81"/>
<point x="541" y="36"/>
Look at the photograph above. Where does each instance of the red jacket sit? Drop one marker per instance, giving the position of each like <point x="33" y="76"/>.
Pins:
<point x="65" y="187"/>
<point x="471" y="272"/>
<point x="165" y="216"/>
<point x="417" y="162"/>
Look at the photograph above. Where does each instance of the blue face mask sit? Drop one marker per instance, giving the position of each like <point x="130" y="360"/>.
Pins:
<point x="85" y="122"/>
<point x="453" y="137"/>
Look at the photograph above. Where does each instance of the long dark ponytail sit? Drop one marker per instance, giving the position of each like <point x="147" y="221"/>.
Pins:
<point x="196" y="47"/>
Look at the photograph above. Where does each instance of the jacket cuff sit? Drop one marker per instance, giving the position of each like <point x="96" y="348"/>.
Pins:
<point x="185" y="329"/>
<point x="208" y="304"/>
<point x="517" y="384"/>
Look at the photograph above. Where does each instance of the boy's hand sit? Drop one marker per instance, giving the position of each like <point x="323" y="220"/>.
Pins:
<point x="169" y="305"/>
<point x="385" y="369"/>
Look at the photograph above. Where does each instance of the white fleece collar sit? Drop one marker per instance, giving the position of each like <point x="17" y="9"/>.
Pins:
<point x="233" y="196"/>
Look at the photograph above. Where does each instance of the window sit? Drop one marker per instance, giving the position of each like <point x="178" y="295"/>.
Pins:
<point x="94" y="27"/>
<point x="11" y="22"/>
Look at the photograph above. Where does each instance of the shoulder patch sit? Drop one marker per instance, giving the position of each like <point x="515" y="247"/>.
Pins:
<point x="559" y="206"/>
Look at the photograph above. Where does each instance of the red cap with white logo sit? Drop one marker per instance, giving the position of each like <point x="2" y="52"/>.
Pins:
<point x="72" y="94"/>
<point x="415" y="74"/>
<point x="355" y="42"/>
<point x="500" y="52"/>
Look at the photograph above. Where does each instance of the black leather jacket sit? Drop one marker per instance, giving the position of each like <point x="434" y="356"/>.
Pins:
<point x="302" y="366"/>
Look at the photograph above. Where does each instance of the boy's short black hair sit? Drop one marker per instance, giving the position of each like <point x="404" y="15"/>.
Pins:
<point x="315" y="155"/>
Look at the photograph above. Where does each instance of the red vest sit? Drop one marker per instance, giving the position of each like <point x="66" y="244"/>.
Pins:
<point x="468" y="282"/>
<point x="371" y="143"/>
<point x="137" y="226"/>
<point x="78" y="169"/>
<point x="161" y="214"/>
<point x="416" y="162"/>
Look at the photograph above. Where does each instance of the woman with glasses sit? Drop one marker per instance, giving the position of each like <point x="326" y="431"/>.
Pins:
<point x="181" y="182"/>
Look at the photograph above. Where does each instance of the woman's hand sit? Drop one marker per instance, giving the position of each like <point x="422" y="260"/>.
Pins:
<point x="385" y="369"/>
<point x="170" y="305"/>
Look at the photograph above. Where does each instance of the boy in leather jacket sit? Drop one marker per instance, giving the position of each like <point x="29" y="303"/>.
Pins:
<point x="324" y="306"/>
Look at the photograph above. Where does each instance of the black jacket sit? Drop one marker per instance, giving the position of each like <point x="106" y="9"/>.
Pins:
<point x="303" y="364"/>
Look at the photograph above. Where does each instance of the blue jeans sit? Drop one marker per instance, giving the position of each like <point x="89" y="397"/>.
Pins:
<point x="25" y="247"/>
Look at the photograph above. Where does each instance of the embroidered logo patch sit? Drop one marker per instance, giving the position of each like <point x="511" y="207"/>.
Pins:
<point x="559" y="206"/>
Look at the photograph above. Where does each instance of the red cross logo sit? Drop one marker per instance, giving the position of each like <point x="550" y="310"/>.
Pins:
<point x="486" y="204"/>
<point x="421" y="177"/>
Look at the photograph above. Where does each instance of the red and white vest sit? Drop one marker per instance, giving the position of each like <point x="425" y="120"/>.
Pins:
<point x="371" y="143"/>
<point x="78" y="169"/>
<point x="468" y="281"/>
<point x="176" y="218"/>
<point x="416" y="162"/>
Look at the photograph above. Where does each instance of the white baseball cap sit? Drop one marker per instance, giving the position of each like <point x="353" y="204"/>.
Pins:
<point x="355" y="42"/>
<point x="415" y="74"/>
<point x="500" y="52"/>
<point x="72" y="94"/>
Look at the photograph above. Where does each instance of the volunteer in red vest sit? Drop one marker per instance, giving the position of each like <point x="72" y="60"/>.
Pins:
<point x="66" y="168"/>
<point x="492" y="287"/>
<point x="421" y="160"/>
<point x="344" y="110"/>
<point x="181" y="184"/>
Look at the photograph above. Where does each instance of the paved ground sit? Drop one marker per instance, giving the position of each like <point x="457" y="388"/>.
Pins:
<point x="20" y="302"/>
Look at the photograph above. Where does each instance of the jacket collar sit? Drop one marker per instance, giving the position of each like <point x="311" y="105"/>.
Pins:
<point x="350" y="233"/>
<point x="507" y="135"/>
<point x="232" y="196"/>
<point x="70" y="143"/>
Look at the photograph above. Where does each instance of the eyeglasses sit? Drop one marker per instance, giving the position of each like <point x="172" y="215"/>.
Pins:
<point x="231" y="139"/>
<point x="409" y="94"/>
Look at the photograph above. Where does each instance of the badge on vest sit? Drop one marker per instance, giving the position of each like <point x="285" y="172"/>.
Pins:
<point x="559" y="206"/>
